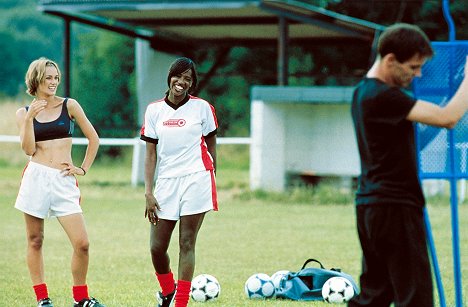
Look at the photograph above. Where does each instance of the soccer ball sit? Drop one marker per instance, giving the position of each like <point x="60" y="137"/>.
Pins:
<point x="259" y="286"/>
<point x="337" y="290"/>
<point x="277" y="277"/>
<point x="205" y="287"/>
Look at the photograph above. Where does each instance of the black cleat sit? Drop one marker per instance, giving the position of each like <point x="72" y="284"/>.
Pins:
<point x="165" y="301"/>
<point x="45" y="302"/>
<point x="88" y="302"/>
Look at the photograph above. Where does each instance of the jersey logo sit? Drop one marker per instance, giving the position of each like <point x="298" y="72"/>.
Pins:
<point x="174" y="123"/>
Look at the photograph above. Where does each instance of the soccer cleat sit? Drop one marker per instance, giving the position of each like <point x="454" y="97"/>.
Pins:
<point x="45" y="302"/>
<point x="88" y="302"/>
<point x="165" y="301"/>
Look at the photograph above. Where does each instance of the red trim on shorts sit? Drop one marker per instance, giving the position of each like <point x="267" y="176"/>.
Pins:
<point x="77" y="185"/>
<point x="24" y="169"/>
<point x="22" y="175"/>
<point x="214" y="195"/>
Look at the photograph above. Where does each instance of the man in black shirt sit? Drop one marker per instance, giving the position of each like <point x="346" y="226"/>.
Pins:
<point x="389" y="199"/>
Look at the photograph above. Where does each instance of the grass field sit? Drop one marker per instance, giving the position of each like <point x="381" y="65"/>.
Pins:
<point x="253" y="232"/>
<point x="249" y="234"/>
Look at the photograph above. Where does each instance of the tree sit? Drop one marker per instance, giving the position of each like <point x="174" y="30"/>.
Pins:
<point x="104" y="83"/>
<point x="426" y="14"/>
<point x="25" y="35"/>
<point x="11" y="60"/>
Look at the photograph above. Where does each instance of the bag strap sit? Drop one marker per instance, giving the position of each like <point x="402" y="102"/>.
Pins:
<point x="312" y="260"/>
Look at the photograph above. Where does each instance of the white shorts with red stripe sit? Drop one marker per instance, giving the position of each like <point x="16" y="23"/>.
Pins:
<point x="46" y="192"/>
<point x="186" y="195"/>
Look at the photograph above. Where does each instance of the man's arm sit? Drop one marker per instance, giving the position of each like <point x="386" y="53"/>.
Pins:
<point x="447" y="116"/>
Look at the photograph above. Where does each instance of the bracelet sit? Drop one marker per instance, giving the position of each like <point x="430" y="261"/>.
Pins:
<point x="84" y="172"/>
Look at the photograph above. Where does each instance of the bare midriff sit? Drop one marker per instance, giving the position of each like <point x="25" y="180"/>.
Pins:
<point x="53" y="153"/>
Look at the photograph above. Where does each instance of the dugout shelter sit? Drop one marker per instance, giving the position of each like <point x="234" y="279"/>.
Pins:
<point x="166" y="29"/>
<point x="301" y="132"/>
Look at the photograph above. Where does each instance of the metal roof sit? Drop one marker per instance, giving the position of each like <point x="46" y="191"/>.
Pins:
<point x="301" y="94"/>
<point x="221" y="22"/>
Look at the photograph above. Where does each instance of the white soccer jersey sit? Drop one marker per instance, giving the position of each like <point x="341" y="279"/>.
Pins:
<point x="179" y="132"/>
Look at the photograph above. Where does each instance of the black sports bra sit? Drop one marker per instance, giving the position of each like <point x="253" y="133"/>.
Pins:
<point x="60" y="128"/>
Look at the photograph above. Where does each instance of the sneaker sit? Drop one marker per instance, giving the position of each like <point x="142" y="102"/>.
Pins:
<point x="45" y="302"/>
<point x="165" y="301"/>
<point x="88" y="302"/>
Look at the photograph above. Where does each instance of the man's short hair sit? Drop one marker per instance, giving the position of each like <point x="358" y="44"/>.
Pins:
<point x="405" y="41"/>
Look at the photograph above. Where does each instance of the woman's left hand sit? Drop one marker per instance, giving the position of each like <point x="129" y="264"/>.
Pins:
<point x="70" y="169"/>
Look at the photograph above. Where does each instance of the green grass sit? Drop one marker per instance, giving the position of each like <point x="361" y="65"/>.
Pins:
<point x="253" y="232"/>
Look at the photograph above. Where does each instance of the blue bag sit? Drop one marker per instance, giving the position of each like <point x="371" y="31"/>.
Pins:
<point x="306" y="285"/>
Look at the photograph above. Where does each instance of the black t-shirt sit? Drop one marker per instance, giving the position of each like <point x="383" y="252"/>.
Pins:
<point x="386" y="145"/>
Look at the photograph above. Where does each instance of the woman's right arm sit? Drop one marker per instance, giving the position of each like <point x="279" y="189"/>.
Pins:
<point x="24" y="121"/>
<point x="26" y="131"/>
<point x="150" y="169"/>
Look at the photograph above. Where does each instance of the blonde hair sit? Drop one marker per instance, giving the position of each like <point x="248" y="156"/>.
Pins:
<point x="35" y="74"/>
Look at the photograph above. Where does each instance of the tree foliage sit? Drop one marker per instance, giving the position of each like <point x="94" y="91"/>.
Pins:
<point x="427" y="14"/>
<point x="10" y="72"/>
<point x="103" y="82"/>
<point x="25" y="35"/>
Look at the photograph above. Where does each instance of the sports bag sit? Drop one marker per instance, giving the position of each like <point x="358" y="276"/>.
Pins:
<point x="306" y="284"/>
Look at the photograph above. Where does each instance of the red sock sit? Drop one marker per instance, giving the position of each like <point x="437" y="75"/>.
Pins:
<point x="80" y="292"/>
<point x="41" y="291"/>
<point x="166" y="281"/>
<point x="183" y="293"/>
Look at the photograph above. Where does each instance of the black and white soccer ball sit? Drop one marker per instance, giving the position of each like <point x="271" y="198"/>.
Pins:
<point x="337" y="290"/>
<point x="205" y="287"/>
<point x="259" y="285"/>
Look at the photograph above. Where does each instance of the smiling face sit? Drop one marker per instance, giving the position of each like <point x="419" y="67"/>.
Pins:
<point x="180" y="85"/>
<point x="43" y="73"/>
<point x="49" y="83"/>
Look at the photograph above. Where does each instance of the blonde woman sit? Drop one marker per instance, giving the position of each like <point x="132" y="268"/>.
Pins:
<point x="49" y="187"/>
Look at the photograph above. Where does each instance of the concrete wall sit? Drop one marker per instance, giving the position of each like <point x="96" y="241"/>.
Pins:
<point x="312" y="133"/>
<point x="151" y="72"/>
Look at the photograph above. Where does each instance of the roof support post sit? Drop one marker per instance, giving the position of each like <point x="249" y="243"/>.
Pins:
<point x="67" y="55"/>
<point x="283" y="39"/>
<point x="374" y="46"/>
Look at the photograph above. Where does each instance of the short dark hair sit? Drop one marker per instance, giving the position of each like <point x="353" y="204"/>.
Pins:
<point x="405" y="41"/>
<point x="181" y="65"/>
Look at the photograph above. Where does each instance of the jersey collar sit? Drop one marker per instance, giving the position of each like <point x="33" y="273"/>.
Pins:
<point x="176" y="106"/>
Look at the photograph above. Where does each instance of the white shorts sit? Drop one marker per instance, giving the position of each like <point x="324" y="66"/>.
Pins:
<point x="46" y="192"/>
<point x="186" y="195"/>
